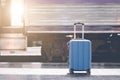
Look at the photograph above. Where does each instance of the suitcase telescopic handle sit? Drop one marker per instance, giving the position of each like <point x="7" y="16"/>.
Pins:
<point x="78" y="23"/>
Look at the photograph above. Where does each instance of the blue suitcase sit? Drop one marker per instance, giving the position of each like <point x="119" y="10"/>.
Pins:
<point x="79" y="53"/>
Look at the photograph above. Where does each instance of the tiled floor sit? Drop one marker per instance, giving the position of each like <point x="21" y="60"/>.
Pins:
<point x="56" y="71"/>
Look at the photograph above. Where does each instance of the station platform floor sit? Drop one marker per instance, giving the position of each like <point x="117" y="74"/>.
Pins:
<point x="56" y="71"/>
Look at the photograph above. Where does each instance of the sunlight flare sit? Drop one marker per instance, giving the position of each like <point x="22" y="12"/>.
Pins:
<point x="17" y="10"/>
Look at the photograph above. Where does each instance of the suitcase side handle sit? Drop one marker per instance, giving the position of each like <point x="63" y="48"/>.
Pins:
<point x="75" y="24"/>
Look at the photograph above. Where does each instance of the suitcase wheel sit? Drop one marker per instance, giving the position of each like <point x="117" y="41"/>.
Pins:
<point x="88" y="72"/>
<point x="71" y="71"/>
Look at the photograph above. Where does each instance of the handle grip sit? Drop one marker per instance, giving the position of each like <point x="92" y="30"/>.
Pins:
<point x="75" y="24"/>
